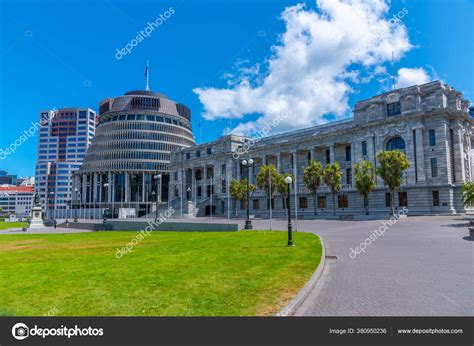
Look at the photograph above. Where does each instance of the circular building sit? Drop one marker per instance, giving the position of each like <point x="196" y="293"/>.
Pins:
<point x="125" y="172"/>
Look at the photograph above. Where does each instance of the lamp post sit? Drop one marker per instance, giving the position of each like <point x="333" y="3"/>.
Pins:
<point x="248" y="222"/>
<point x="288" y="182"/>
<point x="158" y="193"/>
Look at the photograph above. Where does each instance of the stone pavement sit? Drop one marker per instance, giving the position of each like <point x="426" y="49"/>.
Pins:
<point x="422" y="266"/>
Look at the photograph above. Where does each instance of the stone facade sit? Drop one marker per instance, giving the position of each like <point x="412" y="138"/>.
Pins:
<point x="429" y="122"/>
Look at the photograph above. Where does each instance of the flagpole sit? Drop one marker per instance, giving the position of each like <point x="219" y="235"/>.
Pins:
<point x="147" y="86"/>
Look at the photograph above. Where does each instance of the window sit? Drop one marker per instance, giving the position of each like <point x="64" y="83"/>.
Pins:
<point x="364" y="148"/>
<point x="328" y="156"/>
<point x="303" y="202"/>
<point x="209" y="151"/>
<point x="396" y="143"/>
<point x="256" y="204"/>
<point x="388" y="199"/>
<point x="393" y="108"/>
<point x="432" y="136"/>
<point x="435" y="198"/>
<point x="348" y="176"/>
<point x="348" y="153"/>
<point x="198" y="153"/>
<point x="199" y="191"/>
<point x="188" y="156"/>
<point x="342" y="201"/>
<point x="273" y="204"/>
<point x="223" y="169"/>
<point x="224" y="186"/>
<point x="434" y="167"/>
<point x="402" y="199"/>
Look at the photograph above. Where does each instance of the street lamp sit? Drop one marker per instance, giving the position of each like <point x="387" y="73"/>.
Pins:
<point x="248" y="222"/>
<point x="158" y="193"/>
<point x="288" y="182"/>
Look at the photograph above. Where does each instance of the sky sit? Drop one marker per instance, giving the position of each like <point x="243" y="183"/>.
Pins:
<point x="236" y="64"/>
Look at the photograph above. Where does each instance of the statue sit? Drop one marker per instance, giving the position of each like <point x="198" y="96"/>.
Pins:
<point x="36" y="200"/>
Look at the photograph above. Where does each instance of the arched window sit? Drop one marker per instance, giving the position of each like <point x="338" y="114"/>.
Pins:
<point x="396" y="143"/>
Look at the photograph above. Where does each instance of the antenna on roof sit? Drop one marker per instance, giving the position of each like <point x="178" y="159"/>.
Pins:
<point x="393" y="72"/>
<point x="146" y="75"/>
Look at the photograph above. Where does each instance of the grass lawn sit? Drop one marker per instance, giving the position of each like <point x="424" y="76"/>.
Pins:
<point x="7" y="225"/>
<point x="166" y="274"/>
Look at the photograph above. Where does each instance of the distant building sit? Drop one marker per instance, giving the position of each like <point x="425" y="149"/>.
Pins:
<point x="16" y="199"/>
<point x="25" y="181"/>
<point x="64" y="137"/>
<point x="8" y="179"/>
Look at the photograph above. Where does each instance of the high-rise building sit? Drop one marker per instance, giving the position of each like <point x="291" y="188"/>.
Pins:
<point x="64" y="137"/>
<point x="126" y="169"/>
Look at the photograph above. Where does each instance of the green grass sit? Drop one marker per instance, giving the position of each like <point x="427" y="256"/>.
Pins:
<point x="7" y="225"/>
<point x="166" y="274"/>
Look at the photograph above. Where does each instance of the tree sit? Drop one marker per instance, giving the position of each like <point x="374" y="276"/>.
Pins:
<point x="282" y="187"/>
<point x="267" y="180"/>
<point x="312" y="178"/>
<point x="238" y="191"/>
<point x="365" y="180"/>
<point x="392" y="165"/>
<point x="332" y="178"/>
<point x="467" y="192"/>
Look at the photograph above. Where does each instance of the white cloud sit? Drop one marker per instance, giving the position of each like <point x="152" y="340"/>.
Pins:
<point x="411" y="76"/>
<point x="311" y="66"/>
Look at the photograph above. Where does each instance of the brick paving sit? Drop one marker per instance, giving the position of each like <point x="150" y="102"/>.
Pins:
<point x="422" y="266"/>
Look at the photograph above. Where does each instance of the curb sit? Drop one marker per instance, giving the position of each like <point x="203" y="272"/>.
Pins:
<point x="296" y="302"/>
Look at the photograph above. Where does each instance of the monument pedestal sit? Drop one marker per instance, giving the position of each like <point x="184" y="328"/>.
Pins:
<point x="191" y="209"/>
<point x="36" y="218"/>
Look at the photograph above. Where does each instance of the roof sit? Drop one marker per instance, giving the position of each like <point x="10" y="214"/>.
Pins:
<point x="17" y="188"/>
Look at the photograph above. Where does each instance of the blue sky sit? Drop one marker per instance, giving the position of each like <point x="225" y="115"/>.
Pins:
<point x="217" y="57"/>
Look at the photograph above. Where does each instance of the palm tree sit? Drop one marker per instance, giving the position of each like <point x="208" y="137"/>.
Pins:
<point x="266" y="180"/>
<point x="312" y="178"/>
<point x="365" y="180"/>
<point x="282" y="187"/>
<point x="237" y="192"/>
<point x="467" y="192"/>
<point x="392" y="165"/>
<point x="332" y="178"/>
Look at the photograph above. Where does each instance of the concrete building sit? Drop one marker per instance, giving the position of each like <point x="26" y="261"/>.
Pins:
<point x="17" y="200"/>
<point x="126" y="169"/>
<point x="430" y="123"/>
<point x="64" y="137"/>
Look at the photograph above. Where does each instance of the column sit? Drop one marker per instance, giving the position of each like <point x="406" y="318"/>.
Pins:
<point x="420" y="155"/>
<point x="459" y="168"/>
<point x="84" y="188"/>
<point x="278" y="167"/>
<point x="312" y="154"/>
<point x="332" y="153"/>
<point x="264" y="160"/>
<point x="193" y="184"/>
<point x="239" y="176"/>
<point x="109" y="189"/>
<point x="354" y="160"/>
<point x="94" y="190"/>
<point x="127" y="187"/>
<point x="143" y="187"/>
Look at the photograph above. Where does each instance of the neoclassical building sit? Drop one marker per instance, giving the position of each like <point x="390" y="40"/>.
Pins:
<point x="126" y="168"/>
<point x="429" y="122"/>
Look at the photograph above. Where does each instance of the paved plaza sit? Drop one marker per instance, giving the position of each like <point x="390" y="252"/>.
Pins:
<point x="422" y="266"/>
